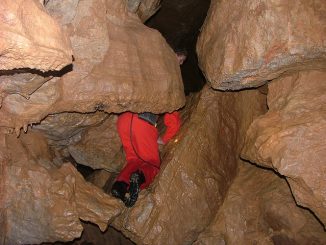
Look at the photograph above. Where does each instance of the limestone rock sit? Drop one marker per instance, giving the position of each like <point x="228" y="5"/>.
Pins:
<point x="99" y="178"/>
<point x="42" y="203"/>
<point x="148" y="8"/>
<point x="121" y="62"/>
<point x="119" y="65"/>
<point x="197" y="170"/>
<point x="100" y="147"/>
<point x="290" y="138"/>
<point x="245" y="43"/>
<point x="66" y="128"/>
<point x="259" y="209"/>
<point x="30" y="38"/>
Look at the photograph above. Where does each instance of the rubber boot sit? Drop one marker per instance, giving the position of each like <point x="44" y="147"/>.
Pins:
<point x="136" y="179"/>
<point x="119" y="190"/>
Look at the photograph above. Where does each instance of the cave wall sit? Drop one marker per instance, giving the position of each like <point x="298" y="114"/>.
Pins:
<point x="113" y="69"/>
<point x="202" y="180"/>
<point x="30" y="38"/>
<point x="197" y="170"/>
<point x="246" y="43"/>
<point x="290" y="137"/>
<point x="259" y="209"/>
<point x="41" y="202"/>
<point x="259" y="42"/>
<point x="44" y="200"/>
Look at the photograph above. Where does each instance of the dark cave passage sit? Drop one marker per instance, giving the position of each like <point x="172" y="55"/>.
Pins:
<point x="180" y="22"/>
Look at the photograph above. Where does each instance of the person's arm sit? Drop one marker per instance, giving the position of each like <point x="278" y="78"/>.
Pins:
<point x="172" y="122"/>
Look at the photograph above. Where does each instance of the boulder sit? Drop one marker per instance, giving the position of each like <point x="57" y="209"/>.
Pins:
<point x="42" y="203"/>
<point x="30" y="38"/>
<point x="290" y="137"/>
<point x="259" y="209"/>
<point x="246" y="43"/>
<point x="119" y="65"/>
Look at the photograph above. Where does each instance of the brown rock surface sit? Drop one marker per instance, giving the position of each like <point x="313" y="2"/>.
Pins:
<point x="30" y="38"/>
<point x="100" y="147"/>
<point x="245" y="43"/>
<point x="290" y="138"/>
<point x="147" y="8"/>
<point x="41" y="202"/>
<point x="119" y="64"/>
<point x="197" y="170"/>
<point x="259" y="209"/>
<point x="66" y="128"/>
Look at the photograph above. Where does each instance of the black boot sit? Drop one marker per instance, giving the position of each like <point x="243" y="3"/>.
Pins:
<point x="119" y="190"/>
<point x="136" y="179"/>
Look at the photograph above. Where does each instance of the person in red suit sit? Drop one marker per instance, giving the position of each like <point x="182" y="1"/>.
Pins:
<point x="140" y="139"/>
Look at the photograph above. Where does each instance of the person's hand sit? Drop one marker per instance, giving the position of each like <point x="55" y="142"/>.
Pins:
<point x="160" y="141"/>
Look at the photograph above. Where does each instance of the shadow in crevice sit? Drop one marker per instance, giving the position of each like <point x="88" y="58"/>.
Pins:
<point x="52" y="73"/>
<point x="92" y="235"/>
<point x="287" y="182"/>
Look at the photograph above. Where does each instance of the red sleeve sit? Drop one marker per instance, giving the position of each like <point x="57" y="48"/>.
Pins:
<point x="172" y="122"/>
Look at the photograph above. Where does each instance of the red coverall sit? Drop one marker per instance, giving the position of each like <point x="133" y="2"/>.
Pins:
<point x="139" y="140"/>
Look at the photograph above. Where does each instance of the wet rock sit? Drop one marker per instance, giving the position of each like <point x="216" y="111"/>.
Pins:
<point x="259" y="209"/>
<point x="245" y="43"/>
<point x="100" y="147"/>
<point x="290" y="138"/>
<point x="197" y="170"/>
<point x="99" y="178"/>
<point x="42" y="203"/>
<point x="30" y="38"/>
<point x="148" y="8"/>
<point x="119" y="65"/>
<point x="66" y="128"/>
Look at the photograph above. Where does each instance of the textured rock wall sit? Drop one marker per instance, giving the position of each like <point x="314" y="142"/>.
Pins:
<point x="290" y="138"/>
<point x="30" y="38"/>
<point x="259" y="209"/>
<point x="197" y="170"/>
<point x="41" y="203"/>
<point x="245" y="43"/>
<point x="100" y="147"/>
<point x="148" y="8"/>
<point x="119" y="64"/>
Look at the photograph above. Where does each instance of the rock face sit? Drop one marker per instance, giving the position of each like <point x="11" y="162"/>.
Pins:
<point x="197" y="171"/>
<point x="30" y="38"/>
<point x="290" y="138"/>
<point x="259" y="209"/>
<point x="100" y="147"/>
<point x="245" y="43"/>
<point x="66" y="128"/>
<point x="41" y="203"/>
<point x="147" y="8"/>
<point x="119" y="64"/>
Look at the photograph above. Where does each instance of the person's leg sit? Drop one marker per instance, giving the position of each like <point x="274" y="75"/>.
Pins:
<point x="121" y="184"/>
<point x="139" y="140"/>
<point x="149" y="173"/>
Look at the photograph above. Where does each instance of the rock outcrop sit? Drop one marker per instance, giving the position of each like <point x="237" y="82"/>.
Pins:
<point x="100" y="147"/>
<point x="119" y="64"/>
<point x="290" y="137"/>
<point x="41" y="203"/>
<point x="259" y="209"/>
<point x="197" y="170"/>
<point x="147" y="8"/>
<point x="246" y="43"/>
<point x="30" y="38"/>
